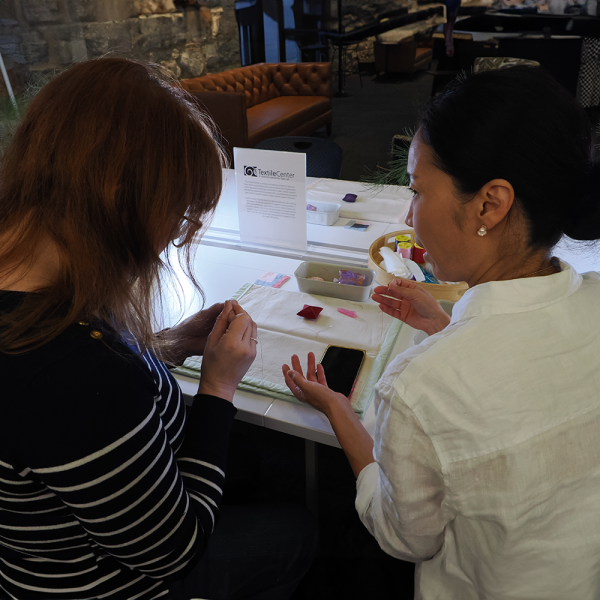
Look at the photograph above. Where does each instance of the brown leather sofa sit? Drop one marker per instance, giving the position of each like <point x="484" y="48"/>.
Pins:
<point x="266" y="100"/>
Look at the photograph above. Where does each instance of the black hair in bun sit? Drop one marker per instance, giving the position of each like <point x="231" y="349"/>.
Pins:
<point x="519" y="124"/>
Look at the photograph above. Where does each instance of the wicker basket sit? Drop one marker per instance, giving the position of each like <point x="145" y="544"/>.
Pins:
<point x="441" y="291"/>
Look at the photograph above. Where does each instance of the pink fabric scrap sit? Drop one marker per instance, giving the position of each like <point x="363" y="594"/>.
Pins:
<point x="310" y="312"/>
<point x="272" y="279"/>
<point x="280" y="282"/>
<point x="348" y="313"/>
<point x="269" y="277"/>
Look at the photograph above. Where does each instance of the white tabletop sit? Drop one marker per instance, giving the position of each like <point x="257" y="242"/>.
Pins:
<point x="222" y="271"/>
<point x="223" y="264"/>
<point x="325" y="243"/>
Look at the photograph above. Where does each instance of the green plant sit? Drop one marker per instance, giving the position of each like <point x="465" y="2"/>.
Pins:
<point x="395" y="173"/>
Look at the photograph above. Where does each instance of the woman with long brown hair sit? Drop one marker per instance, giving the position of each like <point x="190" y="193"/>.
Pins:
<point x="107" y="490"/>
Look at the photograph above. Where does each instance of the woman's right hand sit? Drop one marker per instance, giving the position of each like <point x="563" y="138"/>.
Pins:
<point x="411" y="304"/>
<point x="229" y="352"/>
<point x="313" y="388"/>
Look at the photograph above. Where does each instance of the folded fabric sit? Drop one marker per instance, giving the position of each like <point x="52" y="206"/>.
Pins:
<point x="309" y="312"/>
<point x="272" y="279"/>
<point x="385" y="204"/>
<point x="397" y="265"/>
<point x="282" y="333"/>
<point x="393" y="263"/>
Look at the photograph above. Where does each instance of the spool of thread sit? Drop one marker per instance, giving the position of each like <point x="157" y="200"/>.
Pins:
<point x="418" y="254"/>
<point x="404" y="249"/>
<point x="400" y="239"/>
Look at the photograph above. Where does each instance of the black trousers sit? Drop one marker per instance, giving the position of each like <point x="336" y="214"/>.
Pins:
<point x="257" y="552"/>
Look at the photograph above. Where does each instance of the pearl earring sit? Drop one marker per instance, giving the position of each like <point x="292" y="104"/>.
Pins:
<point x="482" y="230"/>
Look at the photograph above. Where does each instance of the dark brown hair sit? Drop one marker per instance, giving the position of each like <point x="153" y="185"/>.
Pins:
<point x="112" y="159"/>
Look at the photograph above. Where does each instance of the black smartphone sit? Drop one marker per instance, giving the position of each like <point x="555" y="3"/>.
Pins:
<point x="341" y="366"/>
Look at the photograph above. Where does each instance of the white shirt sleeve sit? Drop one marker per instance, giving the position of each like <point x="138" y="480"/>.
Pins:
<point x="400" y="497"/>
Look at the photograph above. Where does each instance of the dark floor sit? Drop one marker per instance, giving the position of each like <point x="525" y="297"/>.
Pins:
<point x="365" y="122"/>
<point x="349" y="564"/>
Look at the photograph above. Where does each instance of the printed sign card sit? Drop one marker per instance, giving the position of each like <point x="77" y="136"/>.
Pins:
<point x="271" y="193"/>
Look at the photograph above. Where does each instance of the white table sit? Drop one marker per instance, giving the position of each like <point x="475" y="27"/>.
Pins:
<point x="224" y="263"/>
<point x="328" y="244"/>
<point x="222" y="272"/>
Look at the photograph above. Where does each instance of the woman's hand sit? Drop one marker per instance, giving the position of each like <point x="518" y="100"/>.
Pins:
<point x="350" y="432"/>
<point x="229" y="352"/>
<point x="311" y="389"/>
<point x="190" y="336"/>
<point x="412" y="304"/>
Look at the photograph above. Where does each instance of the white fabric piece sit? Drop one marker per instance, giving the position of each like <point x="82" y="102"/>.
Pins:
<point x="282" y="332"/>
<point x="399" y="266"/>
<point x="389" y="204"/>
<point x="393" y="263"/>
<point x="488" y="448"/>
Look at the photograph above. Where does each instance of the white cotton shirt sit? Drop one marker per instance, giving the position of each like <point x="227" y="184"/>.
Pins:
<point x="487" y="446"/>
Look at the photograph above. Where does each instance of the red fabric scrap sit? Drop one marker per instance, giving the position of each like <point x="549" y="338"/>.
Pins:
<point x="310" y="312"/>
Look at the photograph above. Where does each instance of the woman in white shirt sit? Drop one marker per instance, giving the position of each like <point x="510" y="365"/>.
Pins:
<point x="485" y="467"/>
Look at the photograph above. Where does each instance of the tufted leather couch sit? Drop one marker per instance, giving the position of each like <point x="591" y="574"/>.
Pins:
<point x="266" y="100"/>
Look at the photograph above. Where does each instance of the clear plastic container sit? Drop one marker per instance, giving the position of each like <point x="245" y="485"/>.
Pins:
<point x="329" y="271"/>
<point x="326" y="213"/>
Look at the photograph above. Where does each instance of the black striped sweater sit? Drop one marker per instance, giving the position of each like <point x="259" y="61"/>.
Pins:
<point x="101" y="493"/>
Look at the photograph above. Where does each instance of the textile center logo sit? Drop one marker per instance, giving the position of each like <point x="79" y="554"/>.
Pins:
<point x="268" y="173"/>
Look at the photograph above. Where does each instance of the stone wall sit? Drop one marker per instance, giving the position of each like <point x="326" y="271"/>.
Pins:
<point x="357" y="14"/>
<point x="49" y="35"/>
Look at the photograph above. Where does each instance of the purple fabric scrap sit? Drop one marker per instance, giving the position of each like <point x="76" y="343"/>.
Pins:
<point x="351" y="278"/>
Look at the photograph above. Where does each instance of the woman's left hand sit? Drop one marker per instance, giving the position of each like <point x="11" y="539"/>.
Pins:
<point x="350" y="432"/>
<point x="411" y="304"/>
<point x="190" y="336"/>
<point x="311" y="389"/>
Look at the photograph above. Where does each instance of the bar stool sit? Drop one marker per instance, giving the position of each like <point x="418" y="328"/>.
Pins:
<point x="345" y="48"/>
